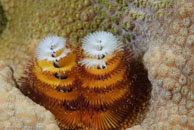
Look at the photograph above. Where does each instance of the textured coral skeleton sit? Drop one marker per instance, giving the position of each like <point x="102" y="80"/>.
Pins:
<point x="18" y="111"/>
<point x="140" y="22"/>
<point x="170" y="62"/>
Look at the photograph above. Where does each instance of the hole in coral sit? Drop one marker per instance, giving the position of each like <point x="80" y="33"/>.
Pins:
<point x="3" y="19"/>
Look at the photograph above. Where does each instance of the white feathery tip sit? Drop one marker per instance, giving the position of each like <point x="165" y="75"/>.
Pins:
<point x="48" y="47"/>
<point x="93" y="63"/>
<point x="100" y="44"/>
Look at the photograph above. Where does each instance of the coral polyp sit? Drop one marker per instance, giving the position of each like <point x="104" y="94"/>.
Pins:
<point x="84" y="94"/>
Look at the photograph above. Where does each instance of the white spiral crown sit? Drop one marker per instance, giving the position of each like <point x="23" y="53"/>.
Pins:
<point x="48" y="47"/>
<point x="99" y="44"/>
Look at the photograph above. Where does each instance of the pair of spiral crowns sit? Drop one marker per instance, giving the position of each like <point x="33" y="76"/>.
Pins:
<point x="95" y="45"/>
<point x="85" y="88"/>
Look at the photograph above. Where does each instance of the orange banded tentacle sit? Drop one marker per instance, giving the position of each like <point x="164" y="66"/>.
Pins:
<point x="104" y="120"/>
<point x="58" y="93"/>
<point x="51" y="79"/>
<point x="109" y="82"/>
<point x="68" y="119"/>
<point x="66" y="64"/>
<point x="106" y="100"/>
<point x="95" y="73"/>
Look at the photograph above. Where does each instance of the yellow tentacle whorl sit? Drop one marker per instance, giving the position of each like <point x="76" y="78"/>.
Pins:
<point x="53" y="79"/>
<point x="97" y="86"/>
<point x="103" y="67"/>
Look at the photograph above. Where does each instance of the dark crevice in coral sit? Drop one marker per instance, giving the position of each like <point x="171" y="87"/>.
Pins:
<point x="3" y="19"/>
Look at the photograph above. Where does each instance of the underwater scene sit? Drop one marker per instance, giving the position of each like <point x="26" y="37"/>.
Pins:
<point x="96" y="64"/>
